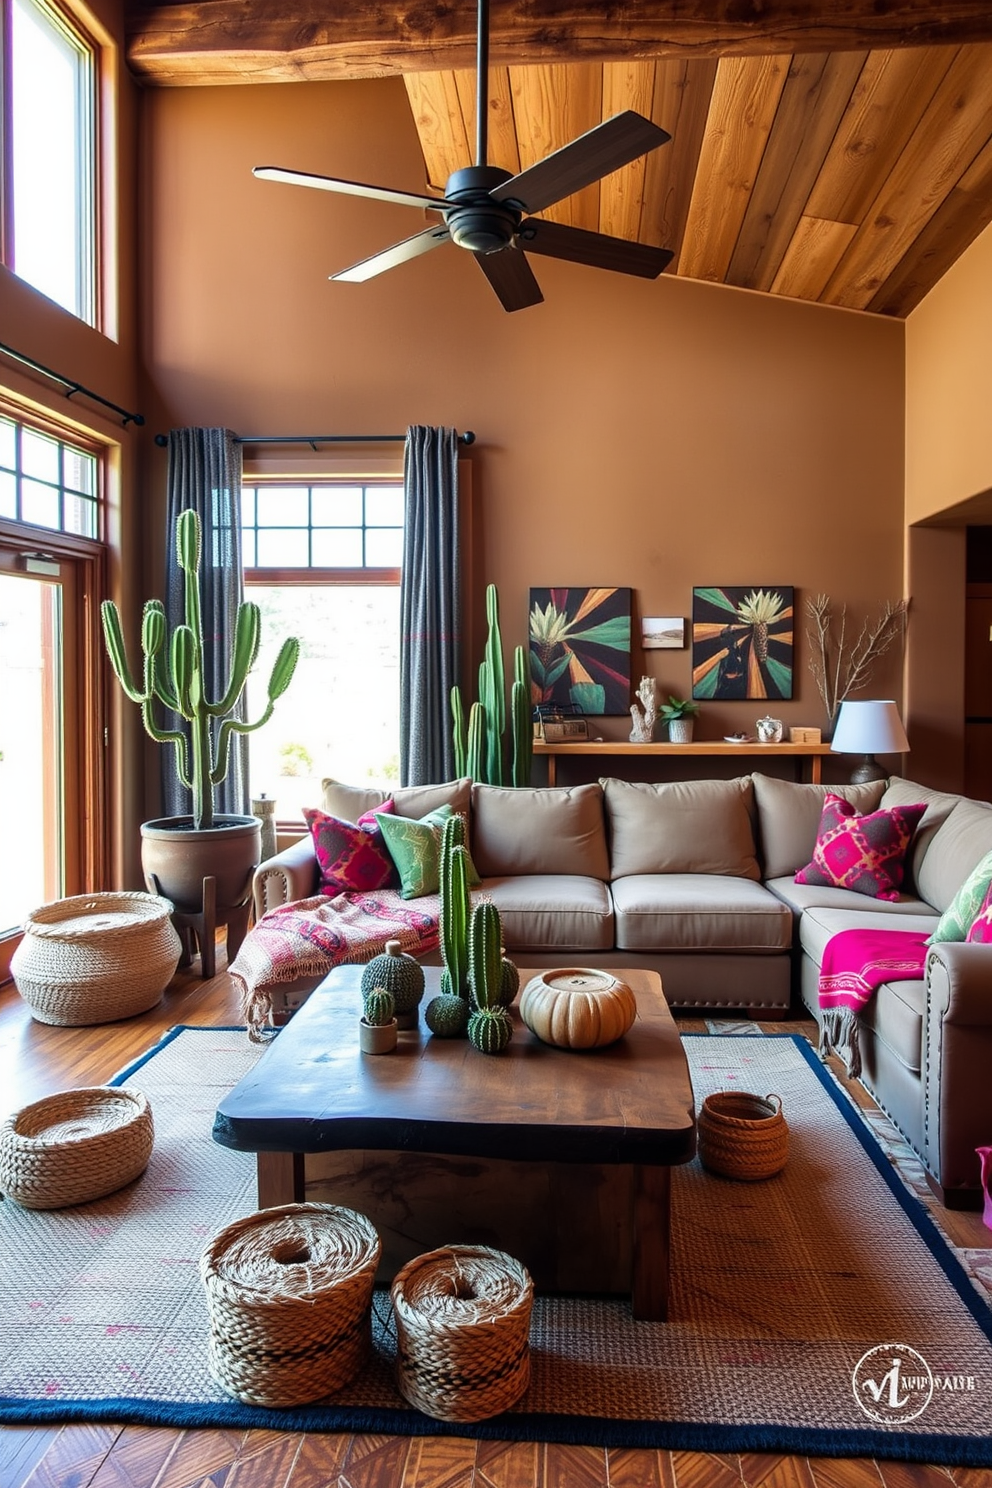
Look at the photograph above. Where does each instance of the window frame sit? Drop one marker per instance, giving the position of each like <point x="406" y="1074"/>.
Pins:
<point x="91" y="167"/>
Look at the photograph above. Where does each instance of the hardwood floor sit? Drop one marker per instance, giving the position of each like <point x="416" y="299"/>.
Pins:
<point x="35" y="1060"/>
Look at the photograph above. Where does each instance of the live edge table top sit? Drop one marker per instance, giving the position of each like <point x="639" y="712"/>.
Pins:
<point x="314" y="1091"/>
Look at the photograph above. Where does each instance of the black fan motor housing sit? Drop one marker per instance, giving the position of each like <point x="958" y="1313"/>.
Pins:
<point x="475" y="221"/>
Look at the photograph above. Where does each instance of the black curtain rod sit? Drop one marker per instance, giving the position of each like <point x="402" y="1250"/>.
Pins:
<point x="72" y="386"/>
<point x="314" y="439"/>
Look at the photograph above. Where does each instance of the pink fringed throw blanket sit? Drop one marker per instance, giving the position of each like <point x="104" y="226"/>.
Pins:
<point x="855" y="964"/>
<point x="310" y="936"/>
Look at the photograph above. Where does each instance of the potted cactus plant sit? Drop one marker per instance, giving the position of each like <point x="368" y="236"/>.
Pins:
<point x="179" y="853"/>
<point x="377" y="1026"/>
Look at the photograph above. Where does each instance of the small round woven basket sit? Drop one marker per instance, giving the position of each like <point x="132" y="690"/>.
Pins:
<point x="94" y="958"/>
<point x="76" y="1146"/>
<point x="289" y="1293"/>
<point x="462" y="1323"/>
<point x="742" y="1135"/>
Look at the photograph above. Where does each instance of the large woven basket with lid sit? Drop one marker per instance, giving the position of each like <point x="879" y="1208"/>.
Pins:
<point x="94" y="958"/>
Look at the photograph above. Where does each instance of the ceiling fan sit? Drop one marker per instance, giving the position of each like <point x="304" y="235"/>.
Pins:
<point x="485" y="208"/>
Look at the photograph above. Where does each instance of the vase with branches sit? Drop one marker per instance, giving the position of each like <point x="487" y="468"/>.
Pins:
<point x="841" y="658"/>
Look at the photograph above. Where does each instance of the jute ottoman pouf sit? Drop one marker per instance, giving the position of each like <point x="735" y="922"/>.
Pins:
<point x="289" y="1293"/>
<point x="76" y="1146"/>
<point x="94" y="958"/>
<point x="462" y="1322"/>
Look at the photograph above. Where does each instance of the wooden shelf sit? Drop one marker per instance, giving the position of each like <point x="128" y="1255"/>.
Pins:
<point x="619" y="749"/>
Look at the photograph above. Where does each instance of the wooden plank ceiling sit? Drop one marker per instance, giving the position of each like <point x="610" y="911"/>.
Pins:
<point x="848" y="178"/>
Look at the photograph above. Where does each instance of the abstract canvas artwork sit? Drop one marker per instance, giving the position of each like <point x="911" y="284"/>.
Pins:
<point x="742" y="642"/>
<point x="580" y="649"/>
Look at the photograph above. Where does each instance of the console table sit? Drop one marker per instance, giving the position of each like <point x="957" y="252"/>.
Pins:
<point x="801" y="753"/>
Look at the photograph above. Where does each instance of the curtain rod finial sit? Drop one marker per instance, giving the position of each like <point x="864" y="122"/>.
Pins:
<point x="468" y="437"/>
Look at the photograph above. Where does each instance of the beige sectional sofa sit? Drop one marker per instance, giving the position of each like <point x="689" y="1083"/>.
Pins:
<point x="696" y="880"/>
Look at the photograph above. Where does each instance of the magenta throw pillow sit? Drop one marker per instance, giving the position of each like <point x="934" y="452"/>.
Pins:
<point x="863" y="853"/>
<point x="980" y="930"/>
<point x="351" y="856"/>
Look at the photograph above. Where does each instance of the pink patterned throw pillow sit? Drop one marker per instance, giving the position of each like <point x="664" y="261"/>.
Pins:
<point x="351" y="856"/>
<point x="980" y="930"/>
<point x="863" y="853"/>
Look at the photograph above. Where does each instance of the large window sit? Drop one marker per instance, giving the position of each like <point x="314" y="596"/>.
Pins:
<point x="322" y="561"/>
<point x="49" y="155"/>
<point x="46" y="481"/>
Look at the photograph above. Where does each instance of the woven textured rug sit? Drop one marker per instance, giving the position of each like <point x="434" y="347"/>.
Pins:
<point x="779" y="1289"/>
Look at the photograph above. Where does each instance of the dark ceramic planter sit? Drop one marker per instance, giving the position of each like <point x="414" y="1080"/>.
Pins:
<point x="176" y="858"/>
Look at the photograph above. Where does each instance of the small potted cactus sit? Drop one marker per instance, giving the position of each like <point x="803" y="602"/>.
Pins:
<point x="489" y="1026"/>
<point x="377" y="1027"/>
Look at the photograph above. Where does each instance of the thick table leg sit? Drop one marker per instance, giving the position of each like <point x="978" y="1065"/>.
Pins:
<point x="280" y="1179"/>
<point x="652" y="1243"/>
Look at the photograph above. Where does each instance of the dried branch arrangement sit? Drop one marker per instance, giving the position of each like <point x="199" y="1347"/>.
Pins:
<point x="842" y="664"/>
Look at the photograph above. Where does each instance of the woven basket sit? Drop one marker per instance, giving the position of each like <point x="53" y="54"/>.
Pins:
<point x="742" y="1135"/>
<point x="95" y="958"/>
<point x="289" y="1293"/>
<point x="75" y="1146"/>
<point x="462" y="1320"/>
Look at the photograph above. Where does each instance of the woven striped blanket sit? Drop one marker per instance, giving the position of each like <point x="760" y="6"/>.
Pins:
<point x="855" y="964"/>
<point x="311" y="936"/>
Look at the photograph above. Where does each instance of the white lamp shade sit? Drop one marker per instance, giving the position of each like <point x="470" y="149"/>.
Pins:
<point x="869" y="728"/>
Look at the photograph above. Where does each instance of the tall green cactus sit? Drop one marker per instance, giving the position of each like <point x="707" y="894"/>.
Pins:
<point x="174" y="675"/>
<point x="455" y="905"/>
<point x="481" y="754"/>
<point x="485" y="955"/>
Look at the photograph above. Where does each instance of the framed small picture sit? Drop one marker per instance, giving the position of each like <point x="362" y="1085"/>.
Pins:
<point x="664" y="633"/>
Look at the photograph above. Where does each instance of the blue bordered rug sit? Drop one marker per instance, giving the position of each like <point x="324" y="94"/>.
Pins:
<point x="779" y="1290"/>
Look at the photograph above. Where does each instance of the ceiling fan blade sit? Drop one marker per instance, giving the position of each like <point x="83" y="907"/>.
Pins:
<point x="347" y="188"/>
<point x="390" y="258"/>
<point x="606" y="148"/>
<point x="512" y="277"/>
<point x="596" y="249"/>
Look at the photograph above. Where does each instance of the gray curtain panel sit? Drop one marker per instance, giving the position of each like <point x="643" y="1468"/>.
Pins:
<point x="205" y="474"/>
<point x="430" y="605"/>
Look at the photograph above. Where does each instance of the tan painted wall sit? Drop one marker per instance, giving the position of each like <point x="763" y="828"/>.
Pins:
<point x="948" y="376"/>
<point x="652" y="435"/>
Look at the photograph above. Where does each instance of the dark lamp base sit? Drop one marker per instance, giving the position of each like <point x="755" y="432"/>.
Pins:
<point x="868" y="770"/>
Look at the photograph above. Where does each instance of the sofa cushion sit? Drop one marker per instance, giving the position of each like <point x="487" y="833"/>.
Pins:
<point x="958" y="845"/>
<point x="801" y="897"/>
<point x="698" y="912"/>
<point x="939" y="806"/>
<point x="552" y="912"/>
<point x="415" y="801"/>
<point x="351" y="856"/>
<point x="690" y="826"/>
<point x="863" y="853"/>
<point x="415" y="848"/>
<point x="980" y="930"/>
<point x="789" y="816"/>
<point x="818" y="925"/>
<point x="521" y="831"/>
<point x="895" y="1014"/>
<point x="964" y="909"/>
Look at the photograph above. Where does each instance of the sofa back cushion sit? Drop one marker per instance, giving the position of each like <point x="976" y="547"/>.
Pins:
<point x="520" y="831"/>
<point x="789" y="817"/>
<point x="686" y="826"/>
<point x="957" y="846"/>
<point x="414" y="801"/>
<point x="939" y="806"/>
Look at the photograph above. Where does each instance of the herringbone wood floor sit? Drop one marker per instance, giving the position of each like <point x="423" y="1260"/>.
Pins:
<point x="35" y="1060"/>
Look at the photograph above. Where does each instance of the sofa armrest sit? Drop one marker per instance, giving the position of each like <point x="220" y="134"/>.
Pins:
<point x="957" y="1056"/>
<point x="290" y="875"/>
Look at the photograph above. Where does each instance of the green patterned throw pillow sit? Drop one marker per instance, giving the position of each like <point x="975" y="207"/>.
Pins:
<point x="415" y="848"/>
<point x="959" y="916"/>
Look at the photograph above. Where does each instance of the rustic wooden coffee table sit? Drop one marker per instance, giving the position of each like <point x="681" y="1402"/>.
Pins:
<point x="629" y="1105"/>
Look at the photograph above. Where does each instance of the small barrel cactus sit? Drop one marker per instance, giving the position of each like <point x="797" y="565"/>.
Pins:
<point x="447" y="1015"/>
<point x="399" y="974"/>
<point x="490" y="1029"/>
<point x="379" y="1007"/>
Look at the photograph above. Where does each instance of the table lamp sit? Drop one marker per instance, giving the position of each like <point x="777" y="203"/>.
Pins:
<point x="869" y="729"/>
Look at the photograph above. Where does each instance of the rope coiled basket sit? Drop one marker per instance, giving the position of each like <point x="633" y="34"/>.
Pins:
<point x="76" y="1146"/>
<point x="462" y="1324"/>
<point x="743" y="1135"/>
<point x="289" y="1293"/>
<point x="94" y="958"/>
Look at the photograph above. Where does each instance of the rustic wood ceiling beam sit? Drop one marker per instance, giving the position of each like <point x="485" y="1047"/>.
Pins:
<point x="277" y="41"/>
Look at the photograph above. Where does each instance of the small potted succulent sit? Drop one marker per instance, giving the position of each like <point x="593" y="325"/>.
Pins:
<point x="377" y="1027"/>
<point x="678" y="714"/>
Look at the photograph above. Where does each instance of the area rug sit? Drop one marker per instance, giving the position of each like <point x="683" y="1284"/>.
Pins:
<point x="780" y="1288"/>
